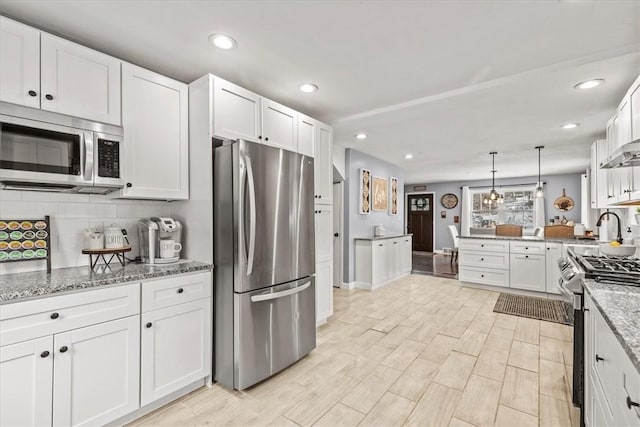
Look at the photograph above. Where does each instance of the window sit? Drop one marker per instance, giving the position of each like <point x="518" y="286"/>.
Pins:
<point x="517" y="207"/>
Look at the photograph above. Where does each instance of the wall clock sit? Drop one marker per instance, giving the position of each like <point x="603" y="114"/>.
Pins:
<point x="449" y="200"/>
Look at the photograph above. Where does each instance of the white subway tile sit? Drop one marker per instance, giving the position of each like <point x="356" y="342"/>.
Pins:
<point x="21" y="209"/>
<point x="41" y="196"/>
<point x="9" y="195"/>
<point x="68" y="226"/>
<point x="132" y="211"/>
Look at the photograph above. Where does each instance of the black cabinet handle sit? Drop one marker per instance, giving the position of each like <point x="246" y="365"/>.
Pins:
<point x="380" y="244"/>
<point x="49" y="97"/>
<point x="259" y="136"/>
<point x="395" y="243"/>
<point x="526" y="256"/>
<point x="586" y="309"/>
<point x="54" y="315"/>
<point x="148" y="325"/>
<point x="482" y="246"/>
<point x="631" y="403"/>
<point x="180" y="290"/>
<point x="129" y="185"/>
<point x="267" y="138"/>
<point x="64" y="349"/>
<point x="32" y="93"/>
<point x="526" y="248"/>
<point x="481" y="259"/>
<point x="44" y="354"/>
<point x="598" y="358"/>
<point x="482" y="275"/>
<point x="336" y="235"/>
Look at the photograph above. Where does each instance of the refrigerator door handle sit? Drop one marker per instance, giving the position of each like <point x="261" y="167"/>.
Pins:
<point x="276" y="295"/>
<point x="252" y="216"/>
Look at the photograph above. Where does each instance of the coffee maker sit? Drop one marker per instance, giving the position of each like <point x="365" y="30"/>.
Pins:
<point x="160" y="240"/>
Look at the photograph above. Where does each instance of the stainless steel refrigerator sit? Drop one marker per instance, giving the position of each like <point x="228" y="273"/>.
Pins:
<point x="264" y="261"/>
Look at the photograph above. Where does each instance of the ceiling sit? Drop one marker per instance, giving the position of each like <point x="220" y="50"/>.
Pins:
<point x="447" y="81"/>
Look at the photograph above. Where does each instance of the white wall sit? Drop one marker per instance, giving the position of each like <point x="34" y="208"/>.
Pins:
<point x="339" y="159"/>
<point x="70" y="215"/>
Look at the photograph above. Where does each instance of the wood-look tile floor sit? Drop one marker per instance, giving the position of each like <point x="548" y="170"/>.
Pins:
<point x="421" y="351"/>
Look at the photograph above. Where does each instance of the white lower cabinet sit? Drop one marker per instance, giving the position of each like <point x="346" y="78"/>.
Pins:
<point x="26" y="380"/>
<point x="96" y="373"/>
<point x="527" y="272"/>
<point x="324" y="291"/>
<point x="553" y="253"/>
<point x="176" y="348"/>
<point x="382" y="260"/>
<point x="484" y="261"/>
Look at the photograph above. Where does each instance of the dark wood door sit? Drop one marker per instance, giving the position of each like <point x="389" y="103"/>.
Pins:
<point x="420" y="221"/>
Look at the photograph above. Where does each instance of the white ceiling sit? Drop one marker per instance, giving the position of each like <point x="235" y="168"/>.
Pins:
<point x="448" y="81"/>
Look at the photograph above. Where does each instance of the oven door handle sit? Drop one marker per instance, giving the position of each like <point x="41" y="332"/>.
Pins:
<point x="575" y="299"/>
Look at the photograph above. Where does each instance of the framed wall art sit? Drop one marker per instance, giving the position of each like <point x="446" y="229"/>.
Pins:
<point x="393" y="185"/>
<point x="380" y="194"/>
<point x="365" y="191"/>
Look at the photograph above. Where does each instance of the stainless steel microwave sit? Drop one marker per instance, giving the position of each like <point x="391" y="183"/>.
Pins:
<point x="46" y="151"/>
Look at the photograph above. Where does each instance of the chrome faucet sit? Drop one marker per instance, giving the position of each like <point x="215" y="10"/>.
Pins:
<point x="599" y="223"/>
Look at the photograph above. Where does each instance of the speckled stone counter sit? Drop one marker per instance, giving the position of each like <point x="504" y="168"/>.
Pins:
<point x="390" y="236"/>
<point x="620" y="307"/>
<point x="15" y="287"/>
<point x="568" y="240"/>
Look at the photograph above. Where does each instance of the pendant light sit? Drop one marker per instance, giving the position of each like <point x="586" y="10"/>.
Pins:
<point x="539" y="189"/>
<point x="494" y="196"/>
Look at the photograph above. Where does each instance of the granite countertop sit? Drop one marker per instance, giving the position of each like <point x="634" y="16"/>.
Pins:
<point x="572" y="240"/>
<point x="15" y="287"/>
<point x="388" y="236"/>
<point x="620" y="307"/>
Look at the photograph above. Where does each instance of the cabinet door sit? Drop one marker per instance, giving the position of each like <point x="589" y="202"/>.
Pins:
<point x="176" y="348"/>
<point x="528" y="272"/>
<point x="324" y="291"/>
<point x="324" y="233"/>
<point x="279" y="125"/>
<point x="624" y="122"/>
<point x="306" y="135"/>
<point x="26" y="377"/>
<point x="156" y="136"/>
<point x="19" y="63"/>
<point x="323" y="165"/>
<point x="553" y="253"/>
<point x="96" y="373"/>
<point x="406" y="261"/>
<point x="394" y="258"/>
<point x="236" y="112"/>
<point x="380" y="260"/>
<point x="79" y="81"/>
<point x="602" y="175"/>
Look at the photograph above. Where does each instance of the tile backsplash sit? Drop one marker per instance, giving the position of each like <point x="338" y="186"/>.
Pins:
<point x="70" y="215"/>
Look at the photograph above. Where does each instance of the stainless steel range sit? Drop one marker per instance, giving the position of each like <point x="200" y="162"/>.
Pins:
<point x="586" y="263"/>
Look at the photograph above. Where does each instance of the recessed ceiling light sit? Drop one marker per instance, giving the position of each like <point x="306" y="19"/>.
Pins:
<point x="361" y="135"/>
<point x="589" y="84"/>
<point x="570" y="125"/>
<point x="408" y="156"/>
<point x="222" y="41"/>
<point x="308" y="88"/>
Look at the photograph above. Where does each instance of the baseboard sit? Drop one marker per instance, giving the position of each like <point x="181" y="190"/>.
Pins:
<point x="349" y="286"/>
<point x="510" y="290"/>
<point x="370" y="287"/>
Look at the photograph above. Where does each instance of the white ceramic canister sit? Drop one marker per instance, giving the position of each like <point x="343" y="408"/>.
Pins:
<point x="378" y="230"/>
<point x="113" y="237"/>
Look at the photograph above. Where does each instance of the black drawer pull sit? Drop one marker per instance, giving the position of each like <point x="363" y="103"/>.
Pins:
<point x="266" y="138"/>
<point x="631" y="403"/>
<point x="482" y="275"/>
<point x="526" y="256"/>
<point x="598" y="358"/>
<point x="481" y="259"/>
<point x="148" y="325"/>
<point x="44" y="354"/>
<point x="64" y="349"/>
<point x="32" y="93"/>
<point x="180" y="290"/>
<point x="54" y="315"/>
<point x="49" y="97"/>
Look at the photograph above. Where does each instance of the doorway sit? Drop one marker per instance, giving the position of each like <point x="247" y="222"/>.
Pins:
<point x="420" y="221"/>
<point x="338" y="218"/>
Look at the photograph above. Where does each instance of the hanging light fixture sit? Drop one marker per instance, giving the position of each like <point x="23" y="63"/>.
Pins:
<point x="494" y="196"/>
<point x="539" y="189"/>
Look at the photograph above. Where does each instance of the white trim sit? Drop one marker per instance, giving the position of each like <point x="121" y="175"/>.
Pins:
<point x="508" y="290"/>
<point x="370" y="287"/>
<point x="340" y="212"/>
<point x="407" y="209"/>
<point x="349" y="286"/>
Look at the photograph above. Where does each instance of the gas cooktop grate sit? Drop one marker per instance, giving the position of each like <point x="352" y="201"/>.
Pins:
<point x="607" y="266"/>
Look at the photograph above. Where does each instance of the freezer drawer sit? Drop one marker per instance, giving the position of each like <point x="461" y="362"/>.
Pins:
<point x="274" y="328"/>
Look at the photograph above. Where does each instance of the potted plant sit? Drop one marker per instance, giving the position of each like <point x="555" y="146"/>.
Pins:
<point x="637" y="215"/>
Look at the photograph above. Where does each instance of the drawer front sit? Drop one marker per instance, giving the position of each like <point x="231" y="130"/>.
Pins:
<point x="484" y="276"/>
<point x="485" y="259"/>
<point x="31" y="319"/>
<point x="531" y="248"/>
<point x="175" y="290"/>
<point x="484" y="245"/>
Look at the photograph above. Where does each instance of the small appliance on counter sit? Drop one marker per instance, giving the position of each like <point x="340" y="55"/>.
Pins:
<point x="160" y="240"/>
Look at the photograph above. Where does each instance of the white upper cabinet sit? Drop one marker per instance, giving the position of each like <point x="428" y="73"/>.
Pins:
<point x="19" y="63"/>
<point x="79" y="81"/>
<point x="156" y="136"/>
<point x="279" y="125"/>
<point x="634" y="102"/>
<point x="306" y="134"/>
<point x="323" y="164"/>
<point x="236" y="111"/>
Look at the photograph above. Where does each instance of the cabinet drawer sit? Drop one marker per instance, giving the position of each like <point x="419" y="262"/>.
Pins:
<point x="175" y="290"/>
<point x="484" y="276"/>
<point x="31" y="319"/>
<point x="484" y="245"/>
<point x="534" y="248"/>
<point x="485" y="259"/>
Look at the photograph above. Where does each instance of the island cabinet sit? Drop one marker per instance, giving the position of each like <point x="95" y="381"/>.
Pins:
<point x="484" y="261"/>
<point x="527" y="266"/>
<point x="612" y="382"/>
<point x="379" y="261"/>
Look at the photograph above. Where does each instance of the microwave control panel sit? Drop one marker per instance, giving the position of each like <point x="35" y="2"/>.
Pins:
<point x="108" y="158"/>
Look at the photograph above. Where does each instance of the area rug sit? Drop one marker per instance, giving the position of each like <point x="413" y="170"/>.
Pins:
<point x="550" y="310"/>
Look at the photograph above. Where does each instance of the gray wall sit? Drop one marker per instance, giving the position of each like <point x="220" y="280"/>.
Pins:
<point x="357" y="225"/>
<point x="553" y="190"/>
